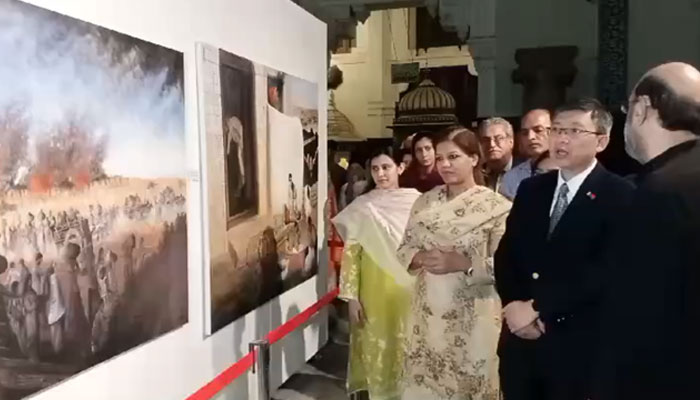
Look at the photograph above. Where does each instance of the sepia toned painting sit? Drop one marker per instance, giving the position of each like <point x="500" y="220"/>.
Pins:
<point x="262" y="152"/>
<point x="93" y="235"/>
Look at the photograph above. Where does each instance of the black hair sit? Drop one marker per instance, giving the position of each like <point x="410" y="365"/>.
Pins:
<point x="676" y="112"/>
<point x="600" y="116"/>
<point x="468" y="142"/>
<point x="420" y="136"/>
<point x="380" y="151"/>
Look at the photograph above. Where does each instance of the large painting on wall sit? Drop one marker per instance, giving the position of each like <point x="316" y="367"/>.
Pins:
<point x="262" y="178"/>
<point x="93" y="236"/>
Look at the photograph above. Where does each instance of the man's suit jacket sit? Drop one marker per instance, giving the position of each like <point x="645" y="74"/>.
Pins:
<point x="565" y="272"/>
<point x="654" y="298"/>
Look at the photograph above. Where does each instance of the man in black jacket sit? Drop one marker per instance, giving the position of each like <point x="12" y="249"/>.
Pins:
<point x="551" y="263"/>
<point x="653" y="336"/>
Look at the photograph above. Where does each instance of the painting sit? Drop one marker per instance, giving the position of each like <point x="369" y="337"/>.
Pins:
<point x="239" y="137"/>
<point x="261" y="133"/>
<point x="93" y="230"/>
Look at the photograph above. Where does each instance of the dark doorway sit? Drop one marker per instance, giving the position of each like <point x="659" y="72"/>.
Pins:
<point x="238" y="106"/>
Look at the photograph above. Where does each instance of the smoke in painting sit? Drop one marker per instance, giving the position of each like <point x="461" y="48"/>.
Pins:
<point x="93" y="238"/>
<point x="262" y="152"/>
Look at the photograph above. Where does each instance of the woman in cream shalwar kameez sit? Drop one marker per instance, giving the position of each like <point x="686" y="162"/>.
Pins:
<point x="449" y="243"/>
<point x="373" y="281"/>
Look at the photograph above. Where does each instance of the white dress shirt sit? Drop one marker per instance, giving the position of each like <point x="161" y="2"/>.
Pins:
<point x="574" y="184"/>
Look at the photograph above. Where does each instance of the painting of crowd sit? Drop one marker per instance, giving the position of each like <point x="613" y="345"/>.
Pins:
<point x="93" y="225"/>
<point x="67" y="272"/>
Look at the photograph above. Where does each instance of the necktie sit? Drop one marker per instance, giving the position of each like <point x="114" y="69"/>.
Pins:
<point x="559" y="207"/>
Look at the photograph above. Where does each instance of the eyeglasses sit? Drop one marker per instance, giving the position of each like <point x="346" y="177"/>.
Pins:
<point x="571" y="132"/>
<point x="499" y="140"/>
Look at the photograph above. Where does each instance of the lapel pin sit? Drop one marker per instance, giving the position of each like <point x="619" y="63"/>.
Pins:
<point x="591" y="195"/>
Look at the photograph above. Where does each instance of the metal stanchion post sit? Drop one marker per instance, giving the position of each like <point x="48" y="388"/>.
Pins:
<point x="261" y="366"/>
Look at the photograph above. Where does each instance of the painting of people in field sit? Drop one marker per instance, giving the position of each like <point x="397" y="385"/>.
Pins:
<point x="262" y="153"/>
<point x="93" y="228"/>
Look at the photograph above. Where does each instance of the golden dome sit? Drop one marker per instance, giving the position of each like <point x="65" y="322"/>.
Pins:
<point x="427" y="104"/>
<point x="339" y="125"/>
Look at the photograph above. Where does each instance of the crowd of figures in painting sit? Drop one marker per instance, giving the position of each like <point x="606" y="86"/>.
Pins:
<point x="62" y="296"/>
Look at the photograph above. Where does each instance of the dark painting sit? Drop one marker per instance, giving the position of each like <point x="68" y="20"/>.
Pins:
<point x="239" y="134"/>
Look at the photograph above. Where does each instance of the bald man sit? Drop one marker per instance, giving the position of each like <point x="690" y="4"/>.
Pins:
<point x="533" y="142"/>
<point x="532" y="136"/>
<point x="653" y="329"/>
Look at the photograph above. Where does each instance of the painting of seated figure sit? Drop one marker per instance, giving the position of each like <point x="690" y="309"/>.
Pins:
<point x="261" y="133"/>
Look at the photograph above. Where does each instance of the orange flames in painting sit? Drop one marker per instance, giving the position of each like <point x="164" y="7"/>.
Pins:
<point x="40" y="183"/>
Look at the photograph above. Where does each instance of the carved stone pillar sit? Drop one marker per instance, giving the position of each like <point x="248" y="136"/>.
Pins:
<point x="483" y="52"/>
<point x="545" y="73"/>
<point x="612" y="51"/>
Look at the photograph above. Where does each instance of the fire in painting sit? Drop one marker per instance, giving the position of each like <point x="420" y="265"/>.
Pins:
<point x="93" y="242"/>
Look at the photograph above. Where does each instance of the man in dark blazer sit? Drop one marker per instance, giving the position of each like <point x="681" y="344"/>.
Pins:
<point x="654" y="326"/>
<point x="551" y="263"/>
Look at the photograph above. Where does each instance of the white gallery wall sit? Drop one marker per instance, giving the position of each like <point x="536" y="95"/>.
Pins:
<point x="278" y="34"/>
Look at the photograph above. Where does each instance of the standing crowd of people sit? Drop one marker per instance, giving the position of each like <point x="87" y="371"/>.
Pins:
<point x="472" y="275"/>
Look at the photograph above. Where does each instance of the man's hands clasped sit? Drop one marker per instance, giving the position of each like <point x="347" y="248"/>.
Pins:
<point x="523" y="321"/>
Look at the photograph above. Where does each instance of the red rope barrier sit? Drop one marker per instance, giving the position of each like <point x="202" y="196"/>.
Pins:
<point x="222" y="380"/>
<point x="289" y="326"/>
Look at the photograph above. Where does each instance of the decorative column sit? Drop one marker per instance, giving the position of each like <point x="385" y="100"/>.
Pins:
<point x="482" y="47"/>
<point x="612" y="51"/>
<point x="380" y="91"/>
<point x="484" y="54"/>
<point x="545" y="73"/>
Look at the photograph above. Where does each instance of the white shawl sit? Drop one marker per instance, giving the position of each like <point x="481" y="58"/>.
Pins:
<point x="377" y="221"/>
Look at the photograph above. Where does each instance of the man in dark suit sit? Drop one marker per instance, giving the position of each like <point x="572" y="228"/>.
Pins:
<point x="551" y="262"/>
<point x="653" y="331"/>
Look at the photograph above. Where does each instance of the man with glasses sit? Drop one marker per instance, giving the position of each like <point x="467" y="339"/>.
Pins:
<point x="653" y="329"/>
<point x="533" y="143"/>
<point x="551" y="263"/>
<point x="496" y="137"/>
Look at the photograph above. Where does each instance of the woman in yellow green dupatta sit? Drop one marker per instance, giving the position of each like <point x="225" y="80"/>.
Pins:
<point x="449" y="244"/>
<point x="373" y="281"/>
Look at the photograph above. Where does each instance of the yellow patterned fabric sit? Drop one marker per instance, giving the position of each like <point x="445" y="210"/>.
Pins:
<point x="376" y="348"/>
<point x="455" y="319"/>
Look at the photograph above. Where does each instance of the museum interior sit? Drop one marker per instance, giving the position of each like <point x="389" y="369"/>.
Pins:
<point x="172" y="170"/>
